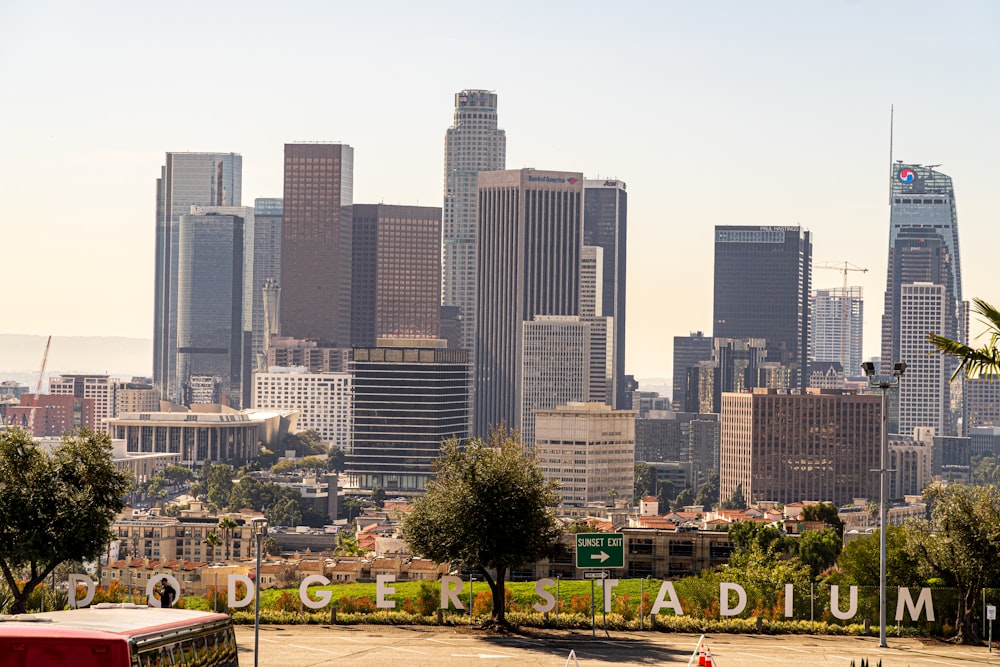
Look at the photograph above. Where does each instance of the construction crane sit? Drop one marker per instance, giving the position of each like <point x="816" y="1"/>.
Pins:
<point x="844" y="268"/>
<point x="38" y="386"/>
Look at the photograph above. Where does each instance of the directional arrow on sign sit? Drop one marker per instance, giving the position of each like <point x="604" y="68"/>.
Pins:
<point x="601" y="556"/>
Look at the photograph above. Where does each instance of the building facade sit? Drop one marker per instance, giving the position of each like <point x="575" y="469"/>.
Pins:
<point x="45" y="415"/>
<point x="589" y="448"/>
<point x="186" y="180"/>
<point x="396" y="279"/>
<point x="924" y="392"/>
<point x="787" y="446"/>
<point x="761" y="290"/>
<point x="316" y="239"/>
<point x="688" y="352"/>
<point x="210" y="300"/>
<point x="408" y="399"/>
<point x="103" y="390"/>
<point x="837" y="329"/>
<point x="529" y="250"/>
<point x="555" y="367"/>
<point x="605" y="225"/>
<point x="268" y="218"/>
<point x="198" y="437"/>
<point x="323" y="400"/>
<point x="471" y="145"/>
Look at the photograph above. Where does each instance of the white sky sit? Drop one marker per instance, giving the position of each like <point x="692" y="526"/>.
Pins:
<point x="724" y="112"/>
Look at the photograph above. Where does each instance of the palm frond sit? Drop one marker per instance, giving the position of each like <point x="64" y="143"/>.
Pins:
<point x="974" y="362"/>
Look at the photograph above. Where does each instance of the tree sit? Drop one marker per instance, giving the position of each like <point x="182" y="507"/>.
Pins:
<point x="819" y="549"/>
<point x="858" y="561"/>
<point x="737" y="501"/>
<point x="211" y="541"/>
<point x="336" y="460"/>
<point x="226" y="526"/>
<point x="378" y="496"/>
<point x="177" y="475"/>
<point x="218" y="485"/>
<point x="825" y="512"/>
<point x="974" y="362"/>
<point x="960" y="545"/>
<point x="985" y="470"/>
<point x="708" y="493"/>
<point x="683" y="499"/>
<point x="54" y="507"/>
<point x="489" y="508"/>
<point x="645" y="482"/>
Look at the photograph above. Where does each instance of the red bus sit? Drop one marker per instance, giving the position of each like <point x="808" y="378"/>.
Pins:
<point x="126" y="635"/>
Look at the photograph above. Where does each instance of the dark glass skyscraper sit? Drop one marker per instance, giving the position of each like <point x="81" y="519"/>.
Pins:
<point x="186" y="180"/>
<point x="605" y="217"/>
<point x="210" y="303"/>
<point x="316" y="242"/>
<point x="530" y="241"/>
<point x="762" y="285"/>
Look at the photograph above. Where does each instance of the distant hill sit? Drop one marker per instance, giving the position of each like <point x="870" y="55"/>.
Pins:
<point x="21" y="356"/>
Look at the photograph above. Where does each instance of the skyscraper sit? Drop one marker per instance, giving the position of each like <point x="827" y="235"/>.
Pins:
<point x="186" y="180"/>
<point x="688" y="351"/>
<point x="396" y="282"/>
<point x="530" y="238"/>
<point x="316" y="242"/>
<point x="836" y="331"/>
<point x="923" y="248"/>
<point x="267" y="223"/>
<point x="762" y="285"/>
<point x="210" y="300"/>
<point x="605" y="216"/>
<point x="472" y="144"/>
<point x="924" y="399"/>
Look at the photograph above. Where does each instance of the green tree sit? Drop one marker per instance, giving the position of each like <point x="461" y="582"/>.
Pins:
<point x="736" y="501"/>
<point x="281" y="467"/>
<point x="218" y="485"/>
<point x="211" y="541"/>
<point x="974" y="362"/>
<point x="683" y="499"/>
<point x="708" y="493"/>
<point x="378" y="496"/>
<point x="645" y="482"/>
<point x="54" y="507"/>
<point x="336" y="460"/>
<point x="960" y="545"/>
<point x="825" y="512"/>
<point x="489" y="507"/>
<point x="819" y="549"/>
<point x="985" y="470"/>
<point x="285" y="511"/>
<point x="226" y="526"/>
<point x="744" y="535"/>
<point x="858" y="561"/>
<point x="312" y="462"/>
<point x="177" y="475"/>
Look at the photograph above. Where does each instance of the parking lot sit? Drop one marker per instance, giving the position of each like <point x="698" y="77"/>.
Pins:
<point x="414" y="646"/>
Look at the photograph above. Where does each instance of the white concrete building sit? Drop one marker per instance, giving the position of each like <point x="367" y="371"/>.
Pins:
<point x="323" y="400"/>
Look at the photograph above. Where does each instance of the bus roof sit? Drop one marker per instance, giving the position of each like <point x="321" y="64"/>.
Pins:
<point x="130" y="620"/>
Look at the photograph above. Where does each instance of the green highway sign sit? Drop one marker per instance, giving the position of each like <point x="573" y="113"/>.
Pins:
<point x="599" y="550"/>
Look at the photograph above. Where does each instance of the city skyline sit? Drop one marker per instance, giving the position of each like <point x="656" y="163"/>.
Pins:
<point x="722" y="115"/>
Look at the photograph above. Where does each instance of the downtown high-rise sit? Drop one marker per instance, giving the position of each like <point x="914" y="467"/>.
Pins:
<point x="605" y="217"/>
<point x="836" y="332"/>
<point x="530" y="243"/>
<point x="186" y="180"/>
<point x="316" y="242"/>
<point x="472" y="144"/>
<point x="924" y="251"/>
<point x="762" y="287"/>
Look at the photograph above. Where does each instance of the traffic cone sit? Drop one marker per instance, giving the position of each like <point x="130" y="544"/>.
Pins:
<point x="701" y="655"/>
<point x="708" y="657"/>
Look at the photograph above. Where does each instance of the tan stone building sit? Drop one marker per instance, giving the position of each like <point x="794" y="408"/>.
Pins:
<point x="590" y="449"/>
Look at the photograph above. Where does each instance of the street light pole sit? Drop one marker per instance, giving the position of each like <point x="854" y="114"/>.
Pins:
<point x="259" y="531"/>
<point x="883" y="383"/>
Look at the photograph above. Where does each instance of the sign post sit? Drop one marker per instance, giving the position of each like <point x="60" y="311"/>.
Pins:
<point x="991" y="615"/>
<point x="597" y="551"/>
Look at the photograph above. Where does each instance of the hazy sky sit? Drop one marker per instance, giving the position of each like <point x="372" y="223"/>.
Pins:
<point x="738" y="112"/>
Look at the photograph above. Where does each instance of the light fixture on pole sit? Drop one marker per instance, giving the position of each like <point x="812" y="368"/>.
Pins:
<point x="259" y="532"/>
<point x="883" y="383"/>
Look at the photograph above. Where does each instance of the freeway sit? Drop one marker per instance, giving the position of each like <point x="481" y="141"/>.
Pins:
<point x="415" y="646"/>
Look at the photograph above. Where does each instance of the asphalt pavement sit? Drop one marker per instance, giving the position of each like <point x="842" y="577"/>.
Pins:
<point x="416" y="646"/>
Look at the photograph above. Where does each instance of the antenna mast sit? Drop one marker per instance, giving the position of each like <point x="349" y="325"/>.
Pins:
<point x="892" y="113"/>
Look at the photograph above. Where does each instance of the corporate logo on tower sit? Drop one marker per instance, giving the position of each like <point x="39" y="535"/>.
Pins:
<point x="906" y="175"/>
